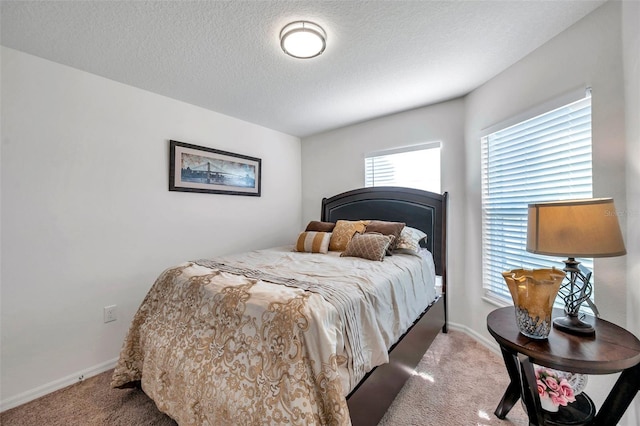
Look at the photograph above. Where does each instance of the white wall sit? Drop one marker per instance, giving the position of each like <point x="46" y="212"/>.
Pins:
<point x="85" y="223"/>
<point x="587" y="54"/>
<point x="631" y="51"/>
<point x="333" y="162"/>
<point x="87" y="218"/>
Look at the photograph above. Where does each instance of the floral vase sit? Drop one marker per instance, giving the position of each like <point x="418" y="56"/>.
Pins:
<point x="547" y="404"/>
<point x="533" y="292"/>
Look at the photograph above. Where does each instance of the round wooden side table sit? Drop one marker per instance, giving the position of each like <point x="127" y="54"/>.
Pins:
<point x="613" y="349"/>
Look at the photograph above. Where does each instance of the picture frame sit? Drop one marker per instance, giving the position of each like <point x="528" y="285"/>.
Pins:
<point x="194" y="168"/>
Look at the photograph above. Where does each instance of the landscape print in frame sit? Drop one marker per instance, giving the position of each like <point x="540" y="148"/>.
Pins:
<point x="195" y="168"/>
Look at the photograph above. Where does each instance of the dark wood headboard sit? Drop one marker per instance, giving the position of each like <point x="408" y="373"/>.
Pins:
<point x="423" y="210"/>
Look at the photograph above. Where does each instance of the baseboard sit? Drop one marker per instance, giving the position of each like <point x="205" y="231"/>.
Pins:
<point x="492" y="345"/>
<point x="47" y="388"/>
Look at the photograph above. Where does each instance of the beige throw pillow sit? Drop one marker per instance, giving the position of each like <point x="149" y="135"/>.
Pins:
<point x="343" y="232"/>
<point x="368" y="246"/>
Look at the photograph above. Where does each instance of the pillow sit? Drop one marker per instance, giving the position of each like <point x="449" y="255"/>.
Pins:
<point x="313" y="242"/>
<point x="316" y="225"/>
<point x="343" y="232"/>
<point x="409" y="240"/>
<point x="386" y="228"/>
<point x="368" y="246"/>
<point x="389" y="252"/>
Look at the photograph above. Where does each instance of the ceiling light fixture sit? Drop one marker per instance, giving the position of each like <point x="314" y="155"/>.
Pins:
<point x="303" y="39"/>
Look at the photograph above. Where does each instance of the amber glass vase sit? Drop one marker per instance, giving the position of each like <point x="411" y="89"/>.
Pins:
<point x="533" y="292"/>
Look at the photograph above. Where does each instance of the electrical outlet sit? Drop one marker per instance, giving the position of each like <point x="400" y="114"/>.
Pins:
<point x="110" y="313"/>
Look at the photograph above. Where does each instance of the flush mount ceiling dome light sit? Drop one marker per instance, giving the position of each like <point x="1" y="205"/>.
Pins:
<point x="303" y="39"/>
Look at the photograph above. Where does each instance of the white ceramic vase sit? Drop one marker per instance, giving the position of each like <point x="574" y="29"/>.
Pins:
<point x="548" y="405"/>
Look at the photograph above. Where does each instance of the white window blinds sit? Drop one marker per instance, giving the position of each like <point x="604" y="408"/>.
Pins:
<point x="545" y="158"/>
<point x="412" y="167"/>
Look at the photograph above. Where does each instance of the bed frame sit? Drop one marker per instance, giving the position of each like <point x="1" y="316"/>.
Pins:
<point x="423" y="210"/>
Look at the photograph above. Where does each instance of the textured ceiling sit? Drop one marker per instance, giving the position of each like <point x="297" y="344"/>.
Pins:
<point x="382" y="57"/>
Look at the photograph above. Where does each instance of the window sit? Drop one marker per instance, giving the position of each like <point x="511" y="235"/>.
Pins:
<point x="545" y="158"/>
<point x="415" y="166"/>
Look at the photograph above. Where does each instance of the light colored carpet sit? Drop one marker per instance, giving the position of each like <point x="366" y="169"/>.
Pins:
<point x="458" y="382"/>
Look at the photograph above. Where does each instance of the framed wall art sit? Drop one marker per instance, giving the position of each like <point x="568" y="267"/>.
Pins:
<point x="195" y="168"/>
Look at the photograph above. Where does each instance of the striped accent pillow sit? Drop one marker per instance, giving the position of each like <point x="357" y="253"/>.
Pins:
<point x="313" y="242"/>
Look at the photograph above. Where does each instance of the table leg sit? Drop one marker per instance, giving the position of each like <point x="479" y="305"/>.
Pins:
<point x="530" y="391"/>
<point x="512" y="394"/>
<point x="619" y="398"/>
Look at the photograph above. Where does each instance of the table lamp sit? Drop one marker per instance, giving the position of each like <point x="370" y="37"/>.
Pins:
<point x="574" y="228"/>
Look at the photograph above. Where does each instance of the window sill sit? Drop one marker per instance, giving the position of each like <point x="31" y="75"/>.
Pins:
<point x="500" y="303"/>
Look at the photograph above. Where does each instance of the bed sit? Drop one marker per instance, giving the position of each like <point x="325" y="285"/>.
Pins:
<point x="282" y="336"/>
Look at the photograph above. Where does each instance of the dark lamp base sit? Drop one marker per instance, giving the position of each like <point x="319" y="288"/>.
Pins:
<point x="572" y="325"/>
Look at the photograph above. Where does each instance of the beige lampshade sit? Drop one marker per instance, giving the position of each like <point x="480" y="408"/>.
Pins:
<point x="575" y="228"/>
